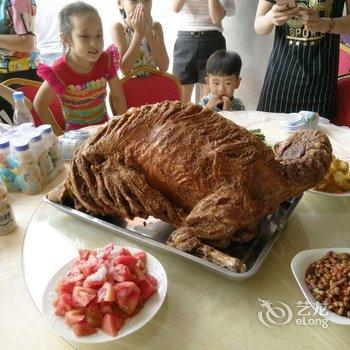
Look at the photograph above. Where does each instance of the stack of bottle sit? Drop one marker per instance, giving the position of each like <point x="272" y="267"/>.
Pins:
<point x="29" y="158"/>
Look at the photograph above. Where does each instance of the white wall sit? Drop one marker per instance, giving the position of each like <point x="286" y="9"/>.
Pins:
<point x="238" y="30"/>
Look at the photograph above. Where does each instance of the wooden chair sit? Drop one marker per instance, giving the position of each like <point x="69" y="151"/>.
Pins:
<point x="30" y="88"/>
<point x="153" y="88"/>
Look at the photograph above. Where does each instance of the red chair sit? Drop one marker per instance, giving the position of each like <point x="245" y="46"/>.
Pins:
<point x="153" y="88"/>
<point x="343" y="101"/>
<point x="344" y="59"/>
<point x="30" y="88"/>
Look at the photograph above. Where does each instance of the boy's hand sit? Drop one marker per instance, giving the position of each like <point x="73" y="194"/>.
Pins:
<point x="281" y="14"/>
<point x="213" y="102"/>
<point x="227" y="103"/>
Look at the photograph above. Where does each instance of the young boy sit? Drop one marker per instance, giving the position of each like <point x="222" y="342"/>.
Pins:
<point x="199" y="35"/>
<point x="223" y="69"/>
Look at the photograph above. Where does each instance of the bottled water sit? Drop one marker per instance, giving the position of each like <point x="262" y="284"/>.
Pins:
<point x="22" y="114"/>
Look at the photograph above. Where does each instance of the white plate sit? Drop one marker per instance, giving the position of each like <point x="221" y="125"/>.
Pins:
<point x="300" y="263"/>
<point x="154" y="267"/>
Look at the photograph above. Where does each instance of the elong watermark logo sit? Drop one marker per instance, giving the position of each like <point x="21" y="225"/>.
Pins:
<point x="280" y="314"/>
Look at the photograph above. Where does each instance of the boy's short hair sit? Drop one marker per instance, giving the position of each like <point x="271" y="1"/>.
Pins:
<point x="224" y="63"/>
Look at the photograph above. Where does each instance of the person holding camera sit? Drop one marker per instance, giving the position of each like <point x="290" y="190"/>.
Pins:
<point x="303" y="66"/>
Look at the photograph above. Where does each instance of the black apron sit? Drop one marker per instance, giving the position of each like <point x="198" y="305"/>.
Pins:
<point x="303" y="67"/>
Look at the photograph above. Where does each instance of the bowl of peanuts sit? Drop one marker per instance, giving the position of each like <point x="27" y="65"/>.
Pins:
<point x="323" y="275"/>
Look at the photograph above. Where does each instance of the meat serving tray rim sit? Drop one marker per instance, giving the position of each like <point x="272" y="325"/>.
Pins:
<point x="277" y="223"/>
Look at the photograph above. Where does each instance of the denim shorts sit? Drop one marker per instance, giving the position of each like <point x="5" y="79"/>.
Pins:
<point x="191" y="52"/>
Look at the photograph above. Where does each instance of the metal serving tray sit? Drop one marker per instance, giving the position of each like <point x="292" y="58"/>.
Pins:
<point x="155" y="233"/>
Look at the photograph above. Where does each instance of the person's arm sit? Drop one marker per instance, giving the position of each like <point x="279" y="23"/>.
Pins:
<point x="118" y="98"/>
<point x="129" y="54"/>
<point x="7" y="92"/>
<point x="268" y="16"/>
<point x="314" y="23"/>
<point x="14" y="42"/>
<point x="43" y="98"/>
<point x="216" y="11"/>
<point x="155" y="40"/>
<point x="177" y="5"/>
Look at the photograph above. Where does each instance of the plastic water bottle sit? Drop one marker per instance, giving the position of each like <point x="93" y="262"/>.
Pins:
<point x="7" y="173"/>
<point x="22" y="114"/>
<point x="52" y="143"/>
<point x="44" y="160"/>
<point x="28" y="171"/>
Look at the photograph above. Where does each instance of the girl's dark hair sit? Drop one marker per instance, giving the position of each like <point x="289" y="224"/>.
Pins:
<point x="122" y="12"/>
<point x="224" y="63"/>
<point x="73" y="9"/>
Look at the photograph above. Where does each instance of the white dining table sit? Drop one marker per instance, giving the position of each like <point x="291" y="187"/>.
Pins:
<point x="202" y="310"/>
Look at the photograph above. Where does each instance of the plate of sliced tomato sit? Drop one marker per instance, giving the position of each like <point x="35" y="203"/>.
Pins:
<point x="104" y="294"/>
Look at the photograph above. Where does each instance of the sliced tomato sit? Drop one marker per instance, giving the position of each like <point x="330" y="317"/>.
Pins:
<point x="65" y="287"/>
<point x="94" y="315"/>
<point x="82" y="296"/>
<point x="111" y="325"/>
<point x="117" y="311"/>
<point x="124" y="251"/>
<point x="106" y="308"/>
<point x="141" y="256"/>
<point x="152" y="279"/>
<point x="84" y="254"/>
<point x="63" y="304"/>
<point x="128" y="296"/>
<point x="83" y="328"/>
<point x="74" y="316"/>
<point x="120" y="273"/>
<point x="126" y="260"/>
<point x="97" y="279"/>
<point x="106" y="293"/>
<point x="104" y="252"/>
<point x="147" y="288"/>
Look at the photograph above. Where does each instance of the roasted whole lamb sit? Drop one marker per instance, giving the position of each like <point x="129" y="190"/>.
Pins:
<point x="194" y="169"/>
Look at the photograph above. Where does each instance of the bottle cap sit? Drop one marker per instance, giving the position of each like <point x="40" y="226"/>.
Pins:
<point x="21" y="145"/>
<point x="35" y="137"/>
<point x="25" y="126"/>
<point x="4" y="143"/>
<point x="45" y="129"/>
<point x="18" y="95"/>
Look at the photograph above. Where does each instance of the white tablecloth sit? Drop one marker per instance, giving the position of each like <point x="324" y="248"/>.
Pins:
<point x="269" y="124"/>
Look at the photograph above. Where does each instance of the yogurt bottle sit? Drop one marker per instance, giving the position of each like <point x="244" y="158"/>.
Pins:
<point x="28" y="171"/>
<point x="7" y="219"/>
<point x="52" y="143"/>
<point x="7" y="170"/>
<point x="44" y="160"/>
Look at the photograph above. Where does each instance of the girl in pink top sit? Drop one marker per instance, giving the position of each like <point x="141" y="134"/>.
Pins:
<point x="80" y="77"/>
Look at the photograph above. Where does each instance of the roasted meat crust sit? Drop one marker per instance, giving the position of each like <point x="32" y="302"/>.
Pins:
<point x="189" y="166"/>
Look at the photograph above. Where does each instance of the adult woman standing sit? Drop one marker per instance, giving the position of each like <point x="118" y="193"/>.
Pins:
<point x="303" y="66"/>
<point x="17" y="42"/>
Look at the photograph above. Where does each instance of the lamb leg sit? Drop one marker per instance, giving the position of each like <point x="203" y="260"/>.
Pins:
<point x="183" y="240"/>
